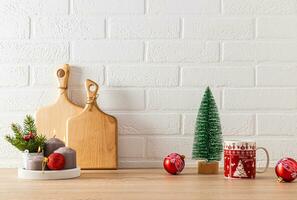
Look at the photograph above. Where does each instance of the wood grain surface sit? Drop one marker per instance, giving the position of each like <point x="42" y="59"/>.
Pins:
<point x="51" y="120"/>
<point x="93" y="134"/>
<point x="146" y="184"/>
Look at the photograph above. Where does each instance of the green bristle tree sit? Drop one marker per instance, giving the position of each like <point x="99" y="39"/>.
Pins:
<point x="208" y="135"/>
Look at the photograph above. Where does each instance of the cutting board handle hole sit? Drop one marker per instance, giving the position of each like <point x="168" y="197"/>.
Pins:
<point x="92" y="88"/>
<point x="60" y="73"/>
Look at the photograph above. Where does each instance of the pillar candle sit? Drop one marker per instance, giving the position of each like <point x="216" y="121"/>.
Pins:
<point x="51" y="145"/>
<point x="69" y="155"/>
<point x="35" y="163"/>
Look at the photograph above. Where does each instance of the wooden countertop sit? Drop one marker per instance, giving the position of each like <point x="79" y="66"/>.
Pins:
<point x="145" y="184"/>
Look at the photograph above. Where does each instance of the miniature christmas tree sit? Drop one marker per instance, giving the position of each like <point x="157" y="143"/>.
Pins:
<point x="208" y="135"/>
<point x="26" y="138"/>
<point x="240" y="172"/>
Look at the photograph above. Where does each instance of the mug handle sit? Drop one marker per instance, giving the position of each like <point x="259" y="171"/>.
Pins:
<point x="267" y="161"/>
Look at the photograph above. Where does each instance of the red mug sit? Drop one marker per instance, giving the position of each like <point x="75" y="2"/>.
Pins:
<point x="240" y="159"/>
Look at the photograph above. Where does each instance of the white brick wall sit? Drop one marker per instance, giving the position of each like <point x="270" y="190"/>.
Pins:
<point x="34" y="7"/>
<point x="144" y="27"/>
<point x="153" y="60"/>
<point x="176" y="99"/>
<point x="68" y="28"/>
<point x="279" y="75"/>
<point x="14" y="27"/>
<point x="91" y="7"/>
<point x="255" y="99"/>
<point x="20" y="73"/>
<point x="100" y="50"/>
<point x="149" y="123"/>
<point x="138" y="76"/>
<point x="183" y="7"/>
<point x="182" y="51"/>
<point x="260" y="51"/>
<point x="218" y="76"/>
<point x="219" y="28"/>
<point x="259" y="7"/>
<point x="40" y="52"/>
<point x="286" y="27"/>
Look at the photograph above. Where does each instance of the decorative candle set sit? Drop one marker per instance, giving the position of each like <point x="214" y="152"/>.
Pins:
<point x="56" y="157"/>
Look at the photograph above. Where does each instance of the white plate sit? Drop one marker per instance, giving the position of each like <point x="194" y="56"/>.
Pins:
<point x="48" y="174"/>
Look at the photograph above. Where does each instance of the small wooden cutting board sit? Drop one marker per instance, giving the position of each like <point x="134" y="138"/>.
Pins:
<point x="93" y="134"/>
<point x="51" y="120"/>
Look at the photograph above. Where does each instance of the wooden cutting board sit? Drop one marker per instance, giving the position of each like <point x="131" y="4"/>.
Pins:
<point x="51" y="120"/>
<point x="93" y="134"/>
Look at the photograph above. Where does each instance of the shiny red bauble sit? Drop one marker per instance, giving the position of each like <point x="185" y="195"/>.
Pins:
<point x="55" y="161"/>
<point x="286" y="169"/>
<point x="174" y="163"/>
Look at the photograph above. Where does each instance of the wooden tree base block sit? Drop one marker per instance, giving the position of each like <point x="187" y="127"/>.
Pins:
<point x="208" y="167"/>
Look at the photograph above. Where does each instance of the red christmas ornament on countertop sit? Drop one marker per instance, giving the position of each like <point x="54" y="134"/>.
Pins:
<point x="286" y="170"/>
<point x="174" y="163"/>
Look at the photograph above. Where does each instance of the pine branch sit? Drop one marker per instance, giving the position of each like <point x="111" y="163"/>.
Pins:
<point x="29" y="125"/>
<point x="17" y="129"/>
<point x="17" y="140"/>
<point x="20" y="144"/>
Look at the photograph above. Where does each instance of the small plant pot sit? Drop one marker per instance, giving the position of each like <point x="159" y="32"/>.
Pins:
<point x="26" y="156"/>
<point x="205" y="167"/>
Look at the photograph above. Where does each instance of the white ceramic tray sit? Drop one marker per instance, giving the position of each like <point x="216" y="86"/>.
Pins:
<point x="48" y="174"/>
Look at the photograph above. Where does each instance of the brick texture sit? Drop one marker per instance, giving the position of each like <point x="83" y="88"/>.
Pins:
<point x="218" y="76"/>
<point x="260" y="7"/>
<point x="142" y="76"/>
<point x="183" y="51"/>
<point x="69" y="28"/>
<point x="116" y="51"/>
<point x="219" y="28"/>
<point x="144" y="27"/>
<point x="153" y="60"/>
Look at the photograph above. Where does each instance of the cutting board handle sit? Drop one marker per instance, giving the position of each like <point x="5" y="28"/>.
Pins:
<point x="63" y="75"/>
<point x="92" y="90"/>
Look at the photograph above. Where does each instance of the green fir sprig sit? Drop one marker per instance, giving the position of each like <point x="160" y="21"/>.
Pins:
<point x="21" y="138"/>
<point x="29" y="125"/>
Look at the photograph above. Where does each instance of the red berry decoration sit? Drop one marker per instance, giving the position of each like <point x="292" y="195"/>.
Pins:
<point x="286" y="170"/>
<point x="174" y="163"/>
<point x="29" y="136"/>
<point x="26" y="137"/>
<point x="55" y="161"/>
<point x="32" y="135"/>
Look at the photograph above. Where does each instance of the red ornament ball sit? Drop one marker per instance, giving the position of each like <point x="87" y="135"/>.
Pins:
<point x="286" y="169"/>
<point x="174" y="163"/>
<point x="56" y="161"/>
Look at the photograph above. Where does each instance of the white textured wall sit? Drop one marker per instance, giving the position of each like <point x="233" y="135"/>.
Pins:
<point x="153" y="60"/>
